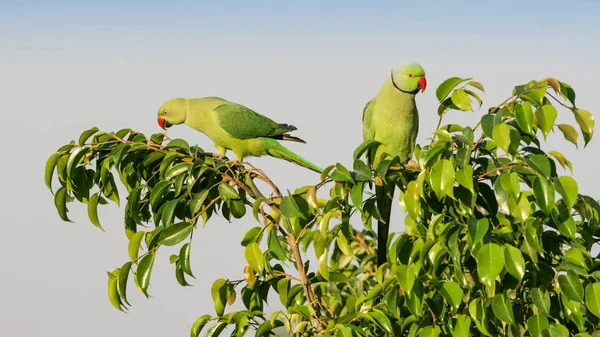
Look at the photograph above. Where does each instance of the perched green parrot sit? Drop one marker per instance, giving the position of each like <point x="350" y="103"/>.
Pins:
<point x="391" y="118"/>
<point x="233" y="127"/>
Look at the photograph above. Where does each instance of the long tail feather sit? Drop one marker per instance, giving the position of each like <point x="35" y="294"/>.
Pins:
<point x="279" y="151"/>
<point x="384" y="204"/>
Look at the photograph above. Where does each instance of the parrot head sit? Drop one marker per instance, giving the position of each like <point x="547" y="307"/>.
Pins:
<point x="172" y="112"/>
<point x="409" y="78"/>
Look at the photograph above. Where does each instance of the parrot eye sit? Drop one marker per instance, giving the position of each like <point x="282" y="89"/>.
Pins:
<point x="410" y="75"/>
<point x="165" y="112"/>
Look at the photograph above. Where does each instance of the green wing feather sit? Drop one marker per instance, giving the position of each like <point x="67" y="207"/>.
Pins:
<point x="244" y="123"/>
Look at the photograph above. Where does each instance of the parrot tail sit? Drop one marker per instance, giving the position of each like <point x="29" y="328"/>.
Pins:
<point x="291" y="138"/>
<point x="384" y="203"/>
<point x="279" y="151"/>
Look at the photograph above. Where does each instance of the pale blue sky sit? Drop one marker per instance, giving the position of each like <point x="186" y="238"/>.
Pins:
<point x="68" y="66"/>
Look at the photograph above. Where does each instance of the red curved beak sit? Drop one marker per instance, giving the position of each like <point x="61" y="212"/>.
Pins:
<point x="423" y="83"/>
<point x="161" y="123"/>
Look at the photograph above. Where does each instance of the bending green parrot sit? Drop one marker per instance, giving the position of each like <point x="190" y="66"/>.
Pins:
<point x="391" y="118"/>
<point x="233" y="127"/>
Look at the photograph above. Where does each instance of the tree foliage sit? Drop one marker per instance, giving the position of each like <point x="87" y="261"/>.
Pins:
<point x="497" y="239"/>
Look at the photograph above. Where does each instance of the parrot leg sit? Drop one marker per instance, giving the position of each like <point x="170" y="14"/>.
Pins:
<point x="222" y="151"/>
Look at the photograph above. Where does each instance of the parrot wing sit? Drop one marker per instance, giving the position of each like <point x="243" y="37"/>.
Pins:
<point x="243" y="123"/>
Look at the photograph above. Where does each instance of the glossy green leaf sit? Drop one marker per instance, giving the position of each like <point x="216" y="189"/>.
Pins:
<point x="514" y="262"/>
<point x="506" y="137"/>
<point x="568" y="189"/>
<point x="219" y="295"/>
<point x="265" y="329"/>
<point x="462" y="326"/>
<point x="92" y="209"/>
<point x="290" y="208"/>
<point x="478" y="229"/>
<point x="524" y="115"/>
<point x="586" y="123"/>
<point x="465" y="178"/>
<point x="184" y="259"/>
<point x="430" y="331"/>
<point x="592" y="298"/>
<point x="536" y="324"/>
<point x="178" y="143"/>
<point x="227" y="191"/>
<point x="446" y="87"/>
<point x="569" y="133"/>
<point x="113" y="294"/>
<point x="406" y="277"/>
<point x="122" y="281"/>
<point x="562" y="160"/>
<point x="86" y="135"/>
<point x="382" y="320"/>
<point x="546" y="115"/>
<point x="541" y="300"/>
<point x="544" y="194"/>
<point x="502" y="308"/>
<point x="176" y="233"/>
<point x="60" y="201"/>
<point x="341" y="173"/>
<point x="323" y="268"/>
<point x="452" y="293"/>
<point x="571" y="286"/>
<point x="216" y="329"/>
<point x="490" y="262"/>
<point x="168" y="212"/>
<point x="442" y="178"/>
<point x="49" y="172"/>
<point x="144" y="271"/>
<point x="461" y="99"/>
<point x="255" y="257"/>
<point x="134" y="245"/>
<point x="199" y="325"/>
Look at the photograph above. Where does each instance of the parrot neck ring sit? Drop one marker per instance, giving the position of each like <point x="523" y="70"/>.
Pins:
<point x="163" y="123"/>
<point x="422" y="85"/>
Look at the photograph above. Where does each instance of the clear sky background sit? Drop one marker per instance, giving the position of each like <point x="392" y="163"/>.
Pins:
<point x="66" y="66"/>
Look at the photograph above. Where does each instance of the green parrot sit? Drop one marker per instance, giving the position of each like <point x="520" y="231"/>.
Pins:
<point x="233" y="127"/>
<point x="391" y="118"/>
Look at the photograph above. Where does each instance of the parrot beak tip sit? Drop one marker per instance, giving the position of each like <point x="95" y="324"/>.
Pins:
<point x="423" y="83"/>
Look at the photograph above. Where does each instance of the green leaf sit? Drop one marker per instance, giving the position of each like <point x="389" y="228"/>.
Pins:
<point x="176" y="233"/>
<point x="490" y="262"/>
<point x="255" y="257"/>
<point x="446" y="87"/>
<point x="60" y="201"/>
<point x="478" y="228"/>
<point x="176" y="170"/>
<point x="430" y="331"/>
<point x="462" y="326"/>
<point x="74" y="160"/>
<point x="178" y="144"/>
<point x="541" y="300"/>
<point x="571" y="286"/>
<point x="502" y="308"/>
<point x="341" y="173"/>
<point x="215" y="330"/>
<point x="50" y="166"/>
<point x="184" y="259"/>
<point x="290" y="208"/>
<point x="568" y="189"/>
<point x="364" y="147"/>
<point x="323" y="269"/>
<point x="586" y="123"/>
<point x="465" y="178"/>
<point x="453" y="293"/>
<point x="158" y="191"/>
<point x="546" y="115"/>
<point x="382" y="320"/>
<point x="168" y="212"/>
<point x="122" y="281"/>
<point x="227" y="191"/>
<point x="252" y="235"/>
<point x="569" y="133"/>
<point x="514" y="262"/>
<point x="362" y="171"/>
<point x="198" y="325"/>
<point x="536" y="324"/>
<point x="442" y="178"/>
<point x="462" y="100"/>
<point x="544" y="194"/>
<point x="592" y="298"/>
<point x="507" y="138"/>
<point x="488" y="122"/>
<point x="134" y="245"/>
<point x="218" y="292"/>
<point x="144" y="271"/>
<point x="265" y="329"/>
<point x="412" y="201"/>
<point x="113" y="293"/>
<point x="86" y="134"/>
<point x="553" y="332"/>
<point x="524" y="115"/>
<point x="92" y="209"/>
<point x="564" y="162"/>
<point x="406" y="277"/>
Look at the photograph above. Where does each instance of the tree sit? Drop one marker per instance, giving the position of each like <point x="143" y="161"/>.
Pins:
<point x="497" y="237"/>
